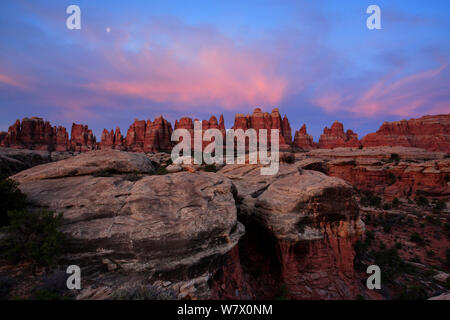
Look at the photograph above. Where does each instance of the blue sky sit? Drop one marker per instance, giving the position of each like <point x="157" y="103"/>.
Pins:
<point x="314" y="60"/>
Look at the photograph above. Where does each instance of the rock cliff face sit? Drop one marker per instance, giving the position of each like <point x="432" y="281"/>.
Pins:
<point x="310" y="223"/>
<point x="335" y="137"/>
<point x="409" y="172"/>
<point x="263" y="120"/>
<point x="429" y="132"/>
<point x="303" y="140"/>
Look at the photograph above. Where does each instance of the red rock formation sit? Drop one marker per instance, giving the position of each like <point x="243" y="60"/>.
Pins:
<point x="107" y="140"/>
<point x="82" y="139"/>
<point x="3" y="136"/>
<point x="212" y="123"/>
<point x="157" y="135"/>
<point x="303" y="140"/>
<point x="61" y="139"/>
<point x="335" y="137"/>
<point x="149" y="136"/>
<point x="264" y="120"/>
<point x="111" y="140"/>
<point x="429" y="132"/>
<point x="35" y="134"/>
<point x="118" y="140"/>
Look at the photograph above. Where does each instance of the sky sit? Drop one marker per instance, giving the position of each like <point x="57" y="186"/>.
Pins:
<point x="316" y="61"/>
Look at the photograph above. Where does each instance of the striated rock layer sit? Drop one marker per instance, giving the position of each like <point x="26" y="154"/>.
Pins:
<point x="429" y="132"/>
<point x="393" y="172"/>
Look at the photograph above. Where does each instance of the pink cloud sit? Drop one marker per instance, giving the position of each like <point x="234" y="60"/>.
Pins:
<point x="394" y="95"/>
<point x="14" y="81"/>
<point x="216" y="73"/>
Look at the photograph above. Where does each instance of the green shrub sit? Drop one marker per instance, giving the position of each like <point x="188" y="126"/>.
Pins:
<point x="45" y="295"/>
<point x="421" y="201"/>
<point x="144" y="292"/>
<point x="412" y="293"/>
<point x="108" y="172"/>
<point x="52" y="287"/>
<point x="390" y="262"/>
<point x="447" y="283"/>
<point x="162" y="171"/>
<point x="430" y="219"/>
<point x="440" y="205"/>
<point x="395" y="203"/>
<point x="370" y="236"/>
<point x="387" y="228"/>
<point x="283" y="293"/>
<point x="369" y="199"/>
<point x="5" y="287"/>
<point x="415" y="237"/>
<point x="447" y="258"/>
<point x="10" y="199"/>
<point x="386" y="206"/>
<point x="210" y="168"/>
<point x="33" y="236"/>
<point x="133" y="177"/>
<point x="395" y="157"/>
<point x="391" y="179"/>
<point x="398" y="245"/>
<point x="447" y="229"/>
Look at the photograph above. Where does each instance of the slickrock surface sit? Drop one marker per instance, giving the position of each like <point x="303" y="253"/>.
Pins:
<point x="313" y="220"/>
<point x="95" y="162"/>
<point x="429" y="132"/>
<point x="177" y="226"/>
<point x="15" y="160"/>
